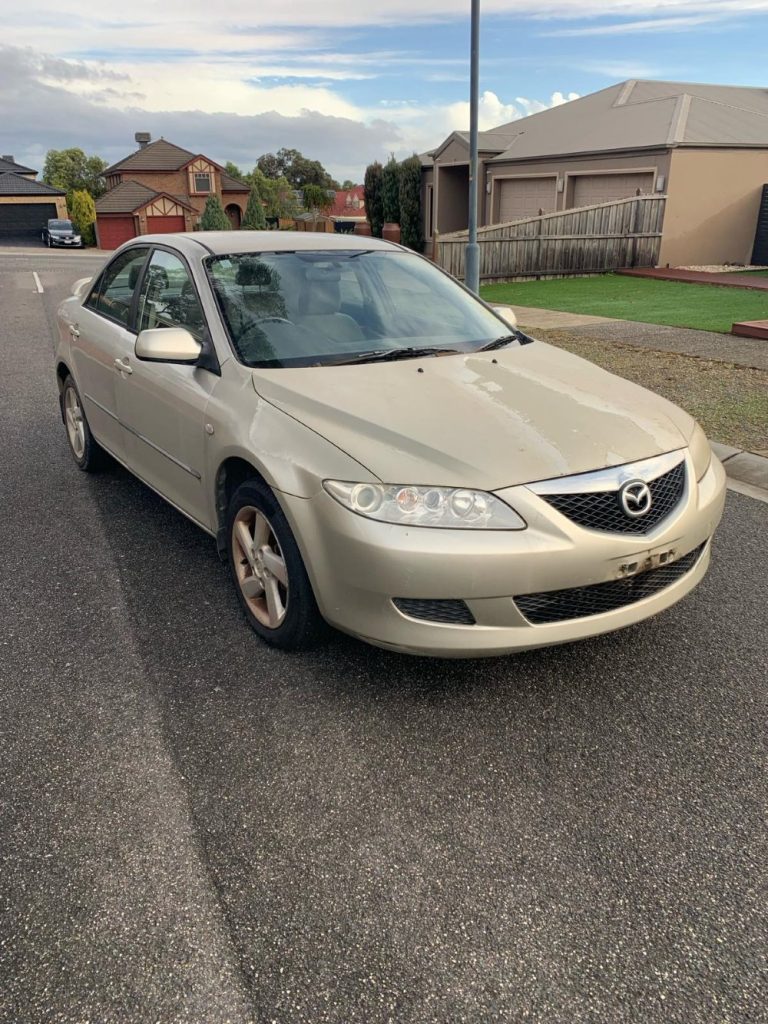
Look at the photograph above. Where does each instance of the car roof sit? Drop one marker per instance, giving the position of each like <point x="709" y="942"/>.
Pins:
<point x="223" y="243"/>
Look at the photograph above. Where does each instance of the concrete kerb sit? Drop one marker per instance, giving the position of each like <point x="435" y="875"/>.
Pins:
<point x="747" y="471"/>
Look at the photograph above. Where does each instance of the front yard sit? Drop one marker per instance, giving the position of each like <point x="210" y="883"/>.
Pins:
<point x="703" y="307"/>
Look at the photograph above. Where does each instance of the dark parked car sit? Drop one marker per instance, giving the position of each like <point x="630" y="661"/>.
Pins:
<point x="61" y="232"/>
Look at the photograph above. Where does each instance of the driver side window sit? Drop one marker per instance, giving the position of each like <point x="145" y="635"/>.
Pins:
<point x="168" y="297"/>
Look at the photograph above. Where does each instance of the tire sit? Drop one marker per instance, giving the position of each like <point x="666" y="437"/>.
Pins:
<point x="284" y="614"/>
<point x="88" y="454"/>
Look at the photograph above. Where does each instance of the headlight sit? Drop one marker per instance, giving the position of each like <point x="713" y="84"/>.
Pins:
<point x="76" y="238"/>
<point x="701" y="453"/>
<point x="447" y="507"/>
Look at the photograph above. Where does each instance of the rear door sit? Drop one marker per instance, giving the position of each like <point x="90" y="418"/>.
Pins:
<point x="102" y="344"/>
<point x="162" y="405"/>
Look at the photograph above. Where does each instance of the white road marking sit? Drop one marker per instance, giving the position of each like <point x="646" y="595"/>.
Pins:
<point x="38" y="282"/>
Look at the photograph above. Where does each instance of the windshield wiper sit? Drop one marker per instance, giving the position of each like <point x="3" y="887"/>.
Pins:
<point x="507" y="339"/>
<point x="389" y="355"/>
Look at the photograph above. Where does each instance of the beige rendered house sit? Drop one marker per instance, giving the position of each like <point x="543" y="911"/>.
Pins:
<point x="163" y="188"/>
<point x="703" y="146"/>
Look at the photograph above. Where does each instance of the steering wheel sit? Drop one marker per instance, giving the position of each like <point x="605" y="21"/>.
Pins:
<point x="256" y="321"/>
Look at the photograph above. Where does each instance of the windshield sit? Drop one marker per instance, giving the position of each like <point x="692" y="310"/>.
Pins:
<point x="60" y="225"/>
<point x="325" y="308"/>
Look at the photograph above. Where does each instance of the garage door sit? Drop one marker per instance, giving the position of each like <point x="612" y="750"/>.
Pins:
<point x="589" y="189"/>
<point x="113" y="231"/>
<point x="164" y="225"/>
<point x="25" y="218"/>
<point x="524" y="197"/>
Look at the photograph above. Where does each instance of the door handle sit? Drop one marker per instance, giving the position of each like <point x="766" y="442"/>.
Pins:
<point x="123" y="366"/>
<point x="74" y="331"/>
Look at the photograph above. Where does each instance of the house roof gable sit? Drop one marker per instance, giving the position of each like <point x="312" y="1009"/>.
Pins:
<point x="12" y="184"/>
<point x="160" y="155"/>
<point x="10" y="166"/>
<point x="130" y="196"/>
<point x="634" y="114"/>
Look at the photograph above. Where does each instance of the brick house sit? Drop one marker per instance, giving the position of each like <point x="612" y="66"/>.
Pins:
<point x="163" y="188"/>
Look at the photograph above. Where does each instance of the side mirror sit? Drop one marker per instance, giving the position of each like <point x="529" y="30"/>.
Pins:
<point x="168" y="345"/>
<point x="506" y="313"/>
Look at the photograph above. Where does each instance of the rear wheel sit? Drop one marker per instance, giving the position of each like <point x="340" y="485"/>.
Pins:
<point x="86" y="451"/>
<point x="268" y="570"/>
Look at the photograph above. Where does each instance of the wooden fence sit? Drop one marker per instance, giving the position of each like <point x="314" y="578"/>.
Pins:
<point x="587" y="240"/>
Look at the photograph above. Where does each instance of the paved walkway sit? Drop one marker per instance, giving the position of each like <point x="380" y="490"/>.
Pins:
<point x="754" y="282"/>
<point x="726" y="348"/>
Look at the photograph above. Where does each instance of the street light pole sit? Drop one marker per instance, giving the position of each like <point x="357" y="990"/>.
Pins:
<point x="472" y="258"/>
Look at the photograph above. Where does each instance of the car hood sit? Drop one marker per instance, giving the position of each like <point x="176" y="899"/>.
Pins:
<point x="487" y="420"/>
<point x="61" y="234"/>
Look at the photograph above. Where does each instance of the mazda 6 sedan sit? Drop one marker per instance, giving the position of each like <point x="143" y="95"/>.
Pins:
<point x="373" y="447"/>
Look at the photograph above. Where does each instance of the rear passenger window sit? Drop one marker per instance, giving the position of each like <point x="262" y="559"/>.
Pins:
<point x="114" y="295"/>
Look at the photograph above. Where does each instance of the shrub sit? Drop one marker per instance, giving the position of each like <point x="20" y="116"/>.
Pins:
<point x="214" y="218"/>
<point x="373" y="204"/>
<point x="82" y="210"/>
<point x="254" y="219"/>
<point x="411" y="228"/>
<point x="390" y="191"/>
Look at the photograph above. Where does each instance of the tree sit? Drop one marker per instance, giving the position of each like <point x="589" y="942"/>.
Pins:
<point x="277" y="193"/>
<point x="234" y="171"/>
<point x="346" y="185"/>
<point x="82" y="210"/>
<point x="296" y="168"/>
<point x="411" y="227"/>
<point x="372" y="189"/>
<point x="71" y="170"/>
<point x="214" y="218"/>
<point x="254" y="219"/>
<point x="317" y="200"/>
<point x="390" y="191"/>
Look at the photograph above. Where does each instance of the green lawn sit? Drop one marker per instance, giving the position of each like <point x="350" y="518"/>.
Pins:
<point x="700" y="306"/>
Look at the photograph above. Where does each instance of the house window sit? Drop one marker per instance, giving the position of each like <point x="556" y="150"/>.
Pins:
<point x="202" y="181"/>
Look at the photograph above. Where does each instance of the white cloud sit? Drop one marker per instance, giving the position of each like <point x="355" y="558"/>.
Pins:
<point x="215" y="111"/>
<point x="632" y="27"/>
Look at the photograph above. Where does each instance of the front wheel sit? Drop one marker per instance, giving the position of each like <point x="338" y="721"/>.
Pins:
<point x="268" y="571"/>
<point x="86" y="451"/>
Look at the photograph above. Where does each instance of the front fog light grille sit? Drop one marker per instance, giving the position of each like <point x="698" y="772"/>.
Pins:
<point x="579" y="602"/>
<point x="456" y="613"/>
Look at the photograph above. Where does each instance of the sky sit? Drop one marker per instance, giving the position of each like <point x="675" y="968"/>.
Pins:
<point x="344" y="82"/>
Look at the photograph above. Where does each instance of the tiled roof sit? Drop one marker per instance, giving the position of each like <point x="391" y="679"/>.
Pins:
<point x="349" y="202"/>
<point x="125" y="198"/>
<point x="632" y="115"/>
<point x="157" y="156"/>
<point x="230" y="184"/>
<point x="14" y="185"/>
<point x="13" y="167"/>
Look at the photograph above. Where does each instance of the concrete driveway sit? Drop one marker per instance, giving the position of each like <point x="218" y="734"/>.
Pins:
<point x="196" y="828"/>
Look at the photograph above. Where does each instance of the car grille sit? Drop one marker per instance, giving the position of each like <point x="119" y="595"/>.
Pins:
<point x="600" y="510"/>
<point x="579" y="602"/>
<point x="454" y="612"/>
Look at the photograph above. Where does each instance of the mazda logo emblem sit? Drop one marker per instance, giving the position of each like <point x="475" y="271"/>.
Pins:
<point x="635" y="498"/>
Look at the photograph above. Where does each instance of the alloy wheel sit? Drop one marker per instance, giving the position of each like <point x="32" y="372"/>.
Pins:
<point x="260" y="566"/>
<point x="73" y="415"/>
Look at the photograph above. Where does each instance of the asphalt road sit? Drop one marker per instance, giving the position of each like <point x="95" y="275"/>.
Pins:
<point x="195" y="828"/>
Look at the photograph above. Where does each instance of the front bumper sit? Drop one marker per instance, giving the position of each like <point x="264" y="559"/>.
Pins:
<point x="358" y="566"/>
<point x="68" y="243"/>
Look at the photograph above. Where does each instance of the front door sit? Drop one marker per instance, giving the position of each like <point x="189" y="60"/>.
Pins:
<point x="162" y="405"/>
<point x="102" y="342"/>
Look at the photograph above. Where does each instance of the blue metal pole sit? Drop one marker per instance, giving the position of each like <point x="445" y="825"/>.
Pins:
<point x="472" y="258"/>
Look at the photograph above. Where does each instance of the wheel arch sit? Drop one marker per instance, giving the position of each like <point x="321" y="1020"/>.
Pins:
<point x="233" y="471"/>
